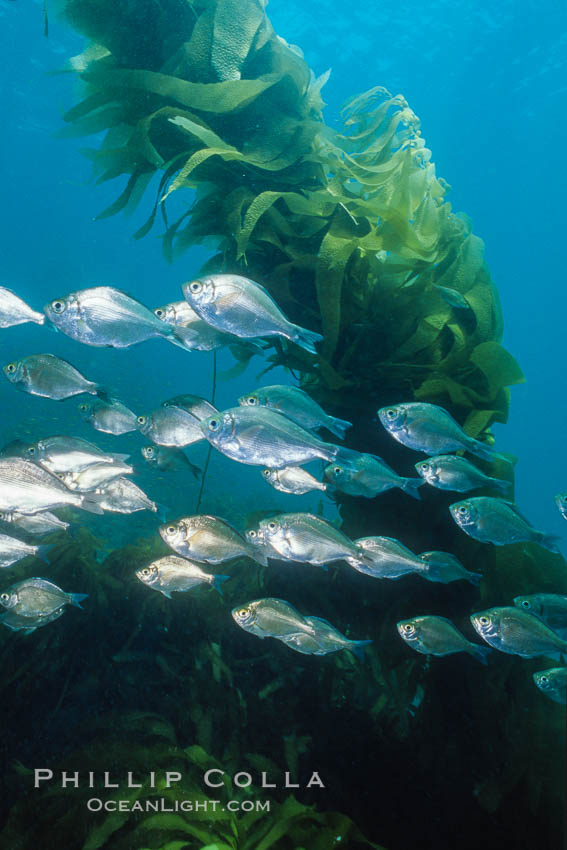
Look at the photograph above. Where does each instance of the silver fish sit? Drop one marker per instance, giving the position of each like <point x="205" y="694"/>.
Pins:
<point x="429" y="428"/>
<point x="553" y="683"/>
<point x="208" y="539"/>
<point x="18" y="623"/>
<point x="433" y="635"/>
<point x="37" y="597"/>
<point x="93" y="477"/>
<point x="168" y="458"/>
<point x="517" y="632"/>
<point x="386" y="558"/>
<point x="234" y="304"/>
<point x="549" y="607"/>
<point x="171" y="574"/>
<point x="110" y="417"/>
<point x="292" y="479"/>
<point x="449" y="472"/>
<point x="41" y="523"/>
<point x="262" y="437"/>
<point x="13" y="550"/>
<point x="48" y="376"/>
<point x="445" y="567"/>
<point x="28" y="489"/>
<point x="496" y="521"/>
<point x="14" y="311"/>
<point x="367" y="475"/>
<point x="297" y="405"/>
<point x="69" y="454"/>
<point x="122" y="496"/>
<point x="561" y="502"/>
<point x="197" y="335"/>
<point x="308" y="539"/>
<point x="325" y="640"/>
<point x="170" y="426"/>
<point x="105" y="316"/>
<point x="453" y="297"/>
<point x="271" y="617"/>
<point x="198" y="407"/>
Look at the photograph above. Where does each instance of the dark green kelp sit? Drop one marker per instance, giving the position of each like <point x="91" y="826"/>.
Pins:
<point x="352" y="233"/>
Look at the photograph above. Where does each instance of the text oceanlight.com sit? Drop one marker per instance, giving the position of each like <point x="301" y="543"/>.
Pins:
<point x="95" y="804"/>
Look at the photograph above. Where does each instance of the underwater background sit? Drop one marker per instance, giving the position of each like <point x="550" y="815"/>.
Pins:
<point x="413" y="753"/>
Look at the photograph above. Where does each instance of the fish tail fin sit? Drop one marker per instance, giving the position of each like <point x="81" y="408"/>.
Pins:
<point x="179" y="336"/>
<point x="90" y="503"/>
<point x="481" y="450"/>
<point x="339" y="427"/>
<point x="358" y="646"/>
<point x="101" y="393"/>
<point x="38" y="318"/>
<point x="500" y="484"/>
<point x="42" y="551"/>
<point x="549" y="541"/>
<point x="76" y="599"/>
<point x="304" y="338"/>
<point x="120" y="458"/>
<point x="218" y="581"/>
<point x="260" y="557"/>
<point x="160" y="509"/>
<point x="474" y="578"/>
<point x="481" y="653"/>
<point x="411" y="487"/>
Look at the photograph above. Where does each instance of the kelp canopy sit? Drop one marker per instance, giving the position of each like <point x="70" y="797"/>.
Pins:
<point x="349" y="230"/>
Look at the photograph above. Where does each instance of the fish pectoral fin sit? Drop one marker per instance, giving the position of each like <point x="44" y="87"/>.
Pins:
<point x="228" y="299"/>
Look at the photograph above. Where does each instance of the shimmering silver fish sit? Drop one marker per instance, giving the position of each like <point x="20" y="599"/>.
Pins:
<point x="517" y="632"/>
<point x="37" y="597"/>
<point x="48" y="376"/>
<point x="325" y="640"/>
<point x="433" y="635"/>
<point x="360" y="474"/>
<point x="553" y="683"/>
<point x="42" y="523"/>
<point x="297" y="405"/>
<point x="449" y="472"/>
<point x="292" y="479"/>
<point x="445" y="567"/>
<point x="198" y="407"/>
<point x="453" y="297"/>
<point x="171" y="574"/>
<point x="122" y="496"/>
<point x="13" y="550"/>
<point x="496" y="521"/>
<point x="386" y="558"/>
<point x="27" y="625"/>
<point x="170" y="426"/>
<point x="105" y="316"/>
<point x="93" y="477"/>
<point x="561" y="502"/>
<point x="14" y="311"/>
<point x="549" y="607"/>
<point x="309" y="539"/>
<point x="168" y="458"/>
<point x="271" y="617"/>
<point x="110" y="417"/>
<point x="208" y="539"/>
<point x="262" y="437"/>
<point x="197" y="335"/>
<point x="27" y="488"/>
<point x="430" y="429"/>
<point x="69" y="454"/>
<point x="236" y="305"/>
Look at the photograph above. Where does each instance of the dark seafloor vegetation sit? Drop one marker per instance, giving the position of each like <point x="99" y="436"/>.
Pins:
<point x="349" y="232"/>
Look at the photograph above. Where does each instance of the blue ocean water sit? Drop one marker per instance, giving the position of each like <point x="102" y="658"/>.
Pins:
<point x="488" y="84"/>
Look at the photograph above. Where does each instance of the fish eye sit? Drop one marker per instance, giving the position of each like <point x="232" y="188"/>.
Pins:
<point x="242" y="613"/>
<point x="526" y="603"/>
<point x="543" y="680"/>
<point x="31" y="451"/>
<point x="462" y="510"/>
<point x="407" y="627"/>
<point x="11" y="368"/>
<point x="58" y="306"/>
<point x="424" y="467"/>
<point x="159" y="312"/>
<point x="266" y="473"/>
<point x="4" y="597"/>
<point x="195" y="287"/>
<point x="484" y="621"/>
<point x="252" y="400"/>
<point x="272" y="526"/>
<point x="141" y="420"/>
<point x="337" y="470"/>
<point x="391" y="413"/>
<point x="83" y="407"/>
<point x="213" y="424"/>
<point x="171" y="529"/>
<point x="146" y="571"/>
<point x="149" y="451"/>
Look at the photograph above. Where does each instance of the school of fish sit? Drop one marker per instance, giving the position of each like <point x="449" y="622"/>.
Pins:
<point x="274" y="427"/>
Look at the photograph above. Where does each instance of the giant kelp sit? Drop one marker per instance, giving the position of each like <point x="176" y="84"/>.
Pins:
<point x="202" y="104"/>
